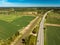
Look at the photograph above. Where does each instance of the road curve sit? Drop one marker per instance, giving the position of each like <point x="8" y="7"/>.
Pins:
<point x="40" y="38"/>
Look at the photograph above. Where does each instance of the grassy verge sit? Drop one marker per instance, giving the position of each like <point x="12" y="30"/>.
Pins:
<point x="33" y="39"/>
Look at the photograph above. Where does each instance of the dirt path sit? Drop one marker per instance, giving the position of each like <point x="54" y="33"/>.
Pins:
<point x="26" y="31"/>
<point x="48" y="24"/>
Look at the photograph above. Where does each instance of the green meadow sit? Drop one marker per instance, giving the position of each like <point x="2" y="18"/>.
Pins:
<point x="53" y="18"/>
<point x="10" y="24"/>
<point x="52" y="34"/>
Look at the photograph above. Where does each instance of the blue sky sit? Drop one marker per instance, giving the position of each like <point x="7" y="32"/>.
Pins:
<point x="29" y="3"/>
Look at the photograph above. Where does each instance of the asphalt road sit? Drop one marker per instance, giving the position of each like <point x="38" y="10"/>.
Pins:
<point x="40" y="38"/>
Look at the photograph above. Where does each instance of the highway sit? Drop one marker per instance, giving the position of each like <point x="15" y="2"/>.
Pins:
<point x="40" y="38"/>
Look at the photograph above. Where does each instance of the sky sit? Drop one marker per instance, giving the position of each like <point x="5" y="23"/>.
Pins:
<point x="29" y="3"/>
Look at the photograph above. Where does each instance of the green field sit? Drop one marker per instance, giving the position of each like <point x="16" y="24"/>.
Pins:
<point x="53" y="18"/>
<point x="52" y="35"/>
<point x="9" y="25"/>
<point x="8" y="18"/>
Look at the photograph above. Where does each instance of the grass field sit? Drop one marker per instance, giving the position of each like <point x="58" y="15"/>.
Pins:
<point x="8" y="18"/>
<point x="52" y="35"/>
<point x="9" y="25"/>
<point x="53" y="18"/>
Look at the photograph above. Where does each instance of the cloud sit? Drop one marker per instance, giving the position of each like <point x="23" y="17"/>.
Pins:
<point x="5" y="3"/>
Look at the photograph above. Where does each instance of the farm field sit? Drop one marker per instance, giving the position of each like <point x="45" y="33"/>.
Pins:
<point x="8" y="18"/>
<point x="53" y="18"/>
<point x="52" y="32"/>
<point x="9" y="25"/>
<point x="52" y="35"/>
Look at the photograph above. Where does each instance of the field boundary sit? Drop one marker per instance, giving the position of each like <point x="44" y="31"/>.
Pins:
<point x="49" y="24"/>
